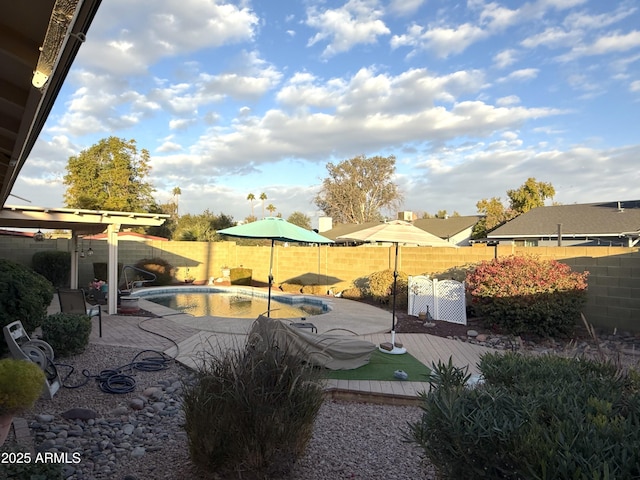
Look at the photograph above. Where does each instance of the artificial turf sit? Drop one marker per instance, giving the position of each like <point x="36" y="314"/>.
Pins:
<point x="382" y="366"/>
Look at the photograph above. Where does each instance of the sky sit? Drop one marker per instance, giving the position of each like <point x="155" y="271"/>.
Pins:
<point x="472" y="98"/>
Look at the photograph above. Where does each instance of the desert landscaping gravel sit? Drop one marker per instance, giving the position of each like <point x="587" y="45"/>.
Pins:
<point x="139" y="435"/>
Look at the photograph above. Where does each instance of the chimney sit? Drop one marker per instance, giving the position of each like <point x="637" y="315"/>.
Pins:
<point x="324" y="224"/>
<point x="407" y="216"/>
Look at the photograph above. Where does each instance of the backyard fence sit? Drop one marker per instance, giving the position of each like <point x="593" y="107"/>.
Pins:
<point x="438" y="299"/>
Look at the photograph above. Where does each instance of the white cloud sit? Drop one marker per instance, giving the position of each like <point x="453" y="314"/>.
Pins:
<point x="405" y="7"/>
<point x="356" y="22"/>
<point x="521" y="75"/>
<point x="171" y="28"/>
<point x="505" y="58"/>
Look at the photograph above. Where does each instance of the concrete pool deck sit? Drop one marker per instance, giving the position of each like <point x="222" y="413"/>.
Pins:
<point x="189" y="339"/>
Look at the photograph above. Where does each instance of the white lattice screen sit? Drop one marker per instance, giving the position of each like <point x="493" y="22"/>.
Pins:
<point x="442" y="299"/>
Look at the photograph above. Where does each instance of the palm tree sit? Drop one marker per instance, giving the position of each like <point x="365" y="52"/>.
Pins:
<point x="271" y="209"/>
<point x="176" y="193"/>
<point x="251" y="197"/>
<point x="263" y="197"/>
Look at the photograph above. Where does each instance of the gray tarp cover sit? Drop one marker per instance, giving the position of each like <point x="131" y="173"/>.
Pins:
<point x="335" y="352"/>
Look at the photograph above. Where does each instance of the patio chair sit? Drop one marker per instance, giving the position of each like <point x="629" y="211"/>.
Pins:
<point x="74" y="301"/>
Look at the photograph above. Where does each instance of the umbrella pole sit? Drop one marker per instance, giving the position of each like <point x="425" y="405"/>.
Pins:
<point x="270" y="280"/>
<point x="394" y="350"/>
<point x="393" y="309"/>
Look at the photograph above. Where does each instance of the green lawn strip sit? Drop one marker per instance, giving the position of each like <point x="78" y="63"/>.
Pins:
<point x="381" y="368"/>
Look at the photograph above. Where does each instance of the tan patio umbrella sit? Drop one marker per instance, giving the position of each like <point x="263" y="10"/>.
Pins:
<point x="396" y="232"/>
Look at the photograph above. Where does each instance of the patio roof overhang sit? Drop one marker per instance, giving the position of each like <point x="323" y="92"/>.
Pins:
<point x="79" y="221"/>
<point x="82" y="222"/>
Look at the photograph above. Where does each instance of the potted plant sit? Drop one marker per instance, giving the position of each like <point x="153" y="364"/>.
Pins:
<point x="188" y="277"/>
<point x="21" y="383"/>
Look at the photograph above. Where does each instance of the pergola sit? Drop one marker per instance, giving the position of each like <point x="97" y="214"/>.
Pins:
<point x="39" y="41"/>
<point x="81" y="223"/>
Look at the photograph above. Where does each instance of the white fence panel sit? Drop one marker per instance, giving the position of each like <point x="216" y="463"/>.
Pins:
<point x="442" y="300"/>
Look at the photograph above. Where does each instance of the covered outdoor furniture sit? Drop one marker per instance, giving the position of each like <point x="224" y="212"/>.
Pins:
<point x="74" y="301"/>
<point x="332" y="351"/>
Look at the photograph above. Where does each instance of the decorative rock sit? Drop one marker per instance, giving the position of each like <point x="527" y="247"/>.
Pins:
<point x="121" y="410"/>
<point x="138" y="452"/>
<point x="481" y="337"/>
<point x="472" y="333"/>
<point x="136" y="404"/>
<point x="45" y="418"/>
<point x="79" y="414"/>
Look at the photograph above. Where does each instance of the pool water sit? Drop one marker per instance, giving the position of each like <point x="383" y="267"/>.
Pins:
<point x="220" y="304"/>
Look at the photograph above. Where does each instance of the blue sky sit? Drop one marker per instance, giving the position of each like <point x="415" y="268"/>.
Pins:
<point x="472" y="98"/>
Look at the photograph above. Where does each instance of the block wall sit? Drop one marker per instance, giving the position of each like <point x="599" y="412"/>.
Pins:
<point x="614" y="279"/>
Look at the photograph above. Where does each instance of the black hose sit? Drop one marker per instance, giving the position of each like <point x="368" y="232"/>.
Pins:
<point x="118" y="380"/>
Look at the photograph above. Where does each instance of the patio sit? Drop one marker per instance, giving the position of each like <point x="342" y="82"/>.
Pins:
<point x="186" y="338"/>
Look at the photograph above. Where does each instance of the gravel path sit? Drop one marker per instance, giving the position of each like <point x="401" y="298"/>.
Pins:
<point x="139" y="435"/>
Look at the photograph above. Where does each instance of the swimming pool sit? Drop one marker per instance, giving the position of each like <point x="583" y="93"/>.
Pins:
<point x="232" y="302"/>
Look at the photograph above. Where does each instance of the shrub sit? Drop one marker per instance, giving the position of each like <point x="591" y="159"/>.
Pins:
<point x="381" y="287"/>
<point x="525" y="294"/>
<point x="543" y="417"/>
<point x="353" y="293"/>
<point x="21" y="384"/>
<point x="159" y="267"/>
<point x="24" y="295"/>
<point x="53" y="265"/>
<point x="240" y="276"/>
<point x="251" y="411"/>
<point x="314" y="289"/>
<point x="290" y="287"/>
<point x="67" y="333"/>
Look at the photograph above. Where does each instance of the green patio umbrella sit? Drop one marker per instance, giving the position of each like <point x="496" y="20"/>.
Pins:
<point x="274" y="228"/>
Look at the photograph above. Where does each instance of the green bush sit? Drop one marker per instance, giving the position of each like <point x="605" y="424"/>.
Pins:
<point x="380" y="287"/>
<point x="24" y="295"/>
<point x="53" y="265"/>
<point x="353" y="293"/>
<point x="525" y="294"/>
<point x="67" y="333"/>
<point x="290" y="287"/>
<point x="250" y="411"/>
<point x="542" y="417"/>
<point x="240" y="276"/>
<point x="159" y="267"/>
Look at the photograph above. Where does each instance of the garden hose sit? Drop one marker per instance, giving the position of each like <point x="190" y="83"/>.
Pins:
<point x="118" y="380"/>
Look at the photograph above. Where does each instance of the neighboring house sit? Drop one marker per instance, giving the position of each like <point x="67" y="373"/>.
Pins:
<point x="455" y="230"/>
<point x="588" y="224"/>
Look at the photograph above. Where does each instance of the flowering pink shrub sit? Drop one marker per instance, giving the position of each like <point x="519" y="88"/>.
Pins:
<point x="525" y="294"/>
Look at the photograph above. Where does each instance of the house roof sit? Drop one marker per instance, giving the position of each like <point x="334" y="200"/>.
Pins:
<point x="447" y="227"/>
<point x="38" y="43"/>
<point x="602" y="219"/>
<point x="440" y="227"/>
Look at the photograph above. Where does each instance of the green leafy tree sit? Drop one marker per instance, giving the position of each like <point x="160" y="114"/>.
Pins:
<point x="495" y="214"/>
<point x="300" y="219"/>
<point x="202" y="227"/>
<point x="531" y="194"/>
<point x="357" y="190"/>
<point x="271" y="207"/>
<point x="110" y="175"/>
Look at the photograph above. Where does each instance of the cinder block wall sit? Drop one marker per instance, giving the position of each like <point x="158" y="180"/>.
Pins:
<point x="614" y="279"/>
